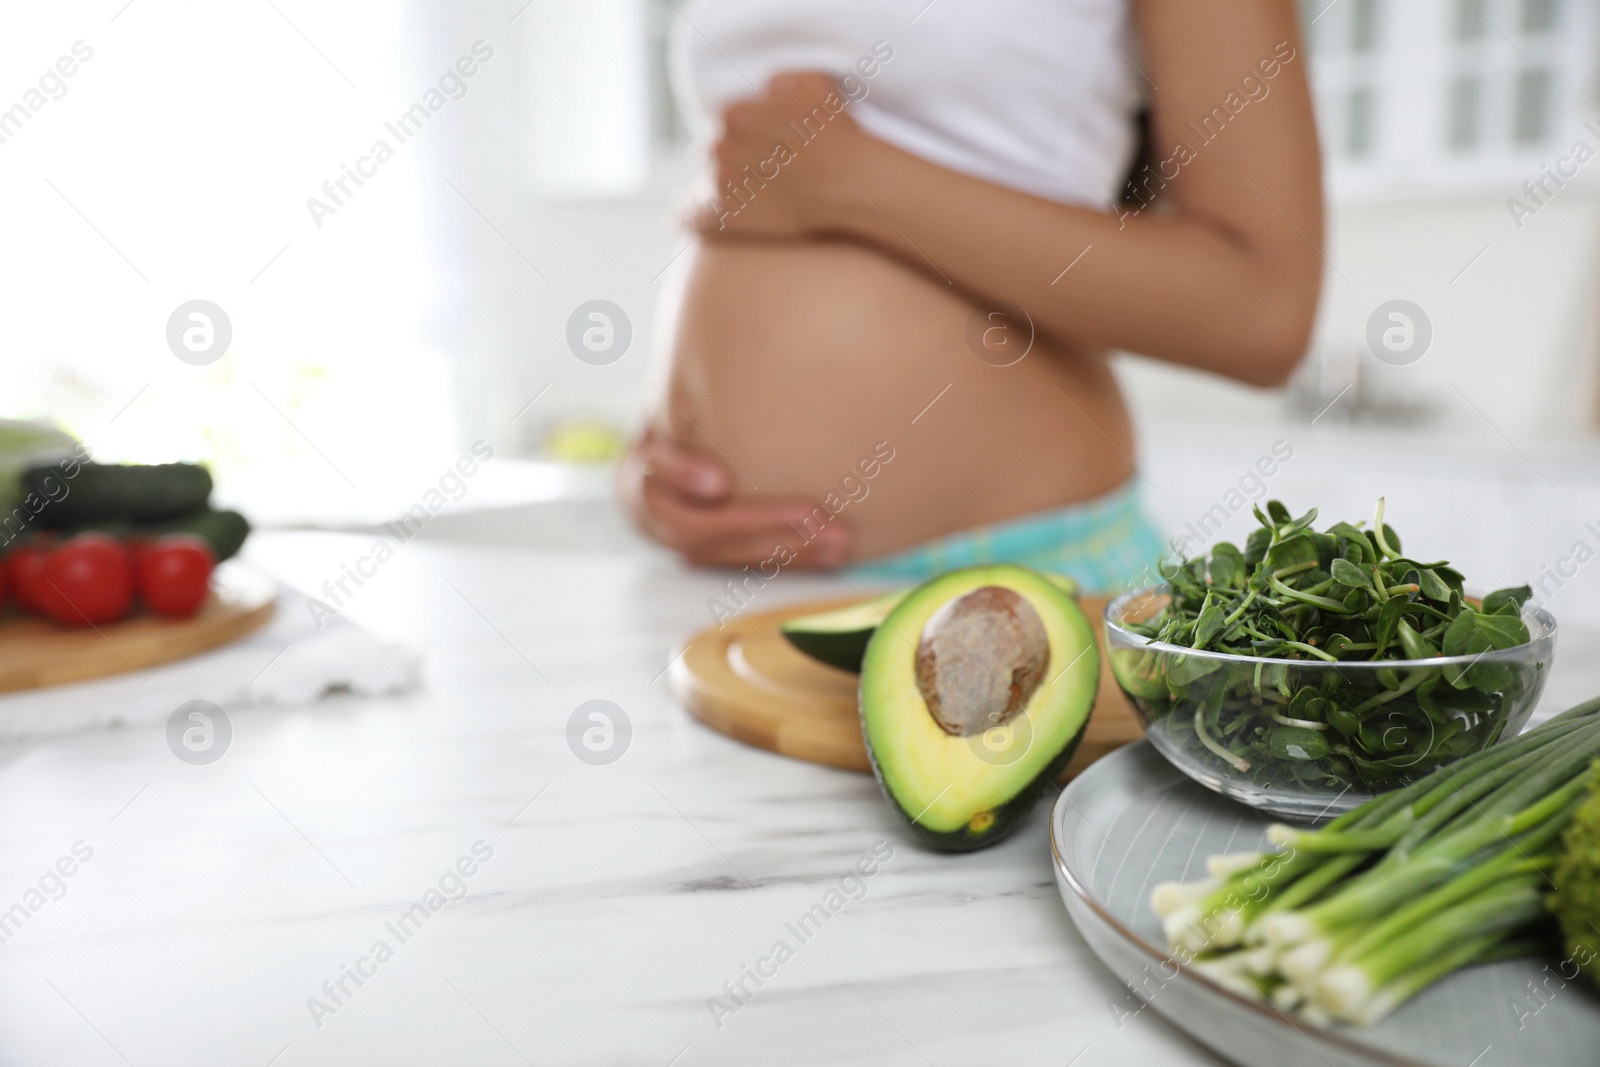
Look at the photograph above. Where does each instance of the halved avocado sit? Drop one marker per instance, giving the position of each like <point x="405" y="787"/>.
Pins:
<point x="839" y="637"/>
<point x="974" y="693"/>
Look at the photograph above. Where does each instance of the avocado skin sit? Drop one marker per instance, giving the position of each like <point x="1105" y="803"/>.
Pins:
<point x="823" y="638"/>
<point x="109" y="492"/>
<point x="1006" y="818"/>
<point x="842" y="650"/>
<point x="1010" y="814"/>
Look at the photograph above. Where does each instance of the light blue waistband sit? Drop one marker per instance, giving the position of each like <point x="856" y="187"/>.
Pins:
<point x="1106" y="545"/>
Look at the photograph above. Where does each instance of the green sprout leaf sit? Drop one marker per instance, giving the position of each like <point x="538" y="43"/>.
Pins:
<point x="1506" y="601"/>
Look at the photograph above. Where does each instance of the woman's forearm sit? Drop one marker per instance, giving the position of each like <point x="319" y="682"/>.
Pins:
<point x="1184" y="289"/>
<point x="1223" y="275"/>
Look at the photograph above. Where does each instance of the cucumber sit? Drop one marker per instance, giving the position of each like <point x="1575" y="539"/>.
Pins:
<point x="109" y="493"/>
<point x="224" y="531"/>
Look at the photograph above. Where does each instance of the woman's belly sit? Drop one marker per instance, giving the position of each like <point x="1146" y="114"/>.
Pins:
<point x="803" y="363"/>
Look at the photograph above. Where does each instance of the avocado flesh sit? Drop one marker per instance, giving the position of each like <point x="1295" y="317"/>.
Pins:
<point x="839" y="637"/>
<point x="963" y="792"/>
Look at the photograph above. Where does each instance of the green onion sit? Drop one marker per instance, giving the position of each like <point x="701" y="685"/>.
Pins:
<point x="1346" y="922"/>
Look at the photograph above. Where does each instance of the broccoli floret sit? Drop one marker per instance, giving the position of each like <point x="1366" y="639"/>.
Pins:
<point x="1576" y="900"/>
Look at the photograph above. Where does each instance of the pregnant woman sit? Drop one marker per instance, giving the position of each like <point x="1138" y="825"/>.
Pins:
<point x="891" y="350"/>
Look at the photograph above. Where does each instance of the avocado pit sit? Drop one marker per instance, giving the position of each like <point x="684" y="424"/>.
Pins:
<point x="980" y="660"/>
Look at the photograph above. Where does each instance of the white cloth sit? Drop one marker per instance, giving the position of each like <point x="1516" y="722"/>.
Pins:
<point x="287" y="662"/>
<point x="1038" y="95"/>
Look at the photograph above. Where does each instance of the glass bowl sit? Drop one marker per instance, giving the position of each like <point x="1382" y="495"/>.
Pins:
<point x="1307" y="739"/>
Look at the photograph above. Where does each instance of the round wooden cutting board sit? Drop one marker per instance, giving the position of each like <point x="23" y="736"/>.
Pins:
<point x="745" y="680"/>
<point x="35" y="652"/>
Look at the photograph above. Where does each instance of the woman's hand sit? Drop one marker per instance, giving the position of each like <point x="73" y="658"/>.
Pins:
<point x="780" y="165"/>
<point x="1224" y="277"/>
<point x="683" y="499"/>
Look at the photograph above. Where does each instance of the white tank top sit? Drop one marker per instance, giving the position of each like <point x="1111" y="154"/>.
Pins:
<point x="1038" y="95"/>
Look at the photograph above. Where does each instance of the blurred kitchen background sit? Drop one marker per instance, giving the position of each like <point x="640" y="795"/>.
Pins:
<point x="373" y="343"/>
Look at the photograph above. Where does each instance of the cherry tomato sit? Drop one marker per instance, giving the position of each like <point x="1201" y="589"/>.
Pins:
<point x="174" y="573"/>
<point x="86" y="581"/>
<point x="129" y="550"/>
<point x="24" y="567"/>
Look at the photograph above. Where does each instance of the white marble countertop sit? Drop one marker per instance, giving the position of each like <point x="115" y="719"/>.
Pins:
<point x="615" y="901"/>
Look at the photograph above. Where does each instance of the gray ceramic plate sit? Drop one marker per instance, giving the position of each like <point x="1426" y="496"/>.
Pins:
<point x="1131" y="821"/>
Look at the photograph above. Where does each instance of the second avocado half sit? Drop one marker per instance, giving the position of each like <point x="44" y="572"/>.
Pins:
<point x="974" y="694"/>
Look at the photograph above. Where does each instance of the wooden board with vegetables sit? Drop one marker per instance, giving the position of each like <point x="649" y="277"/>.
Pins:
<point x="749" y="681"/>
<point x="36" y="652"/>
<point x="111" y="568"/>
